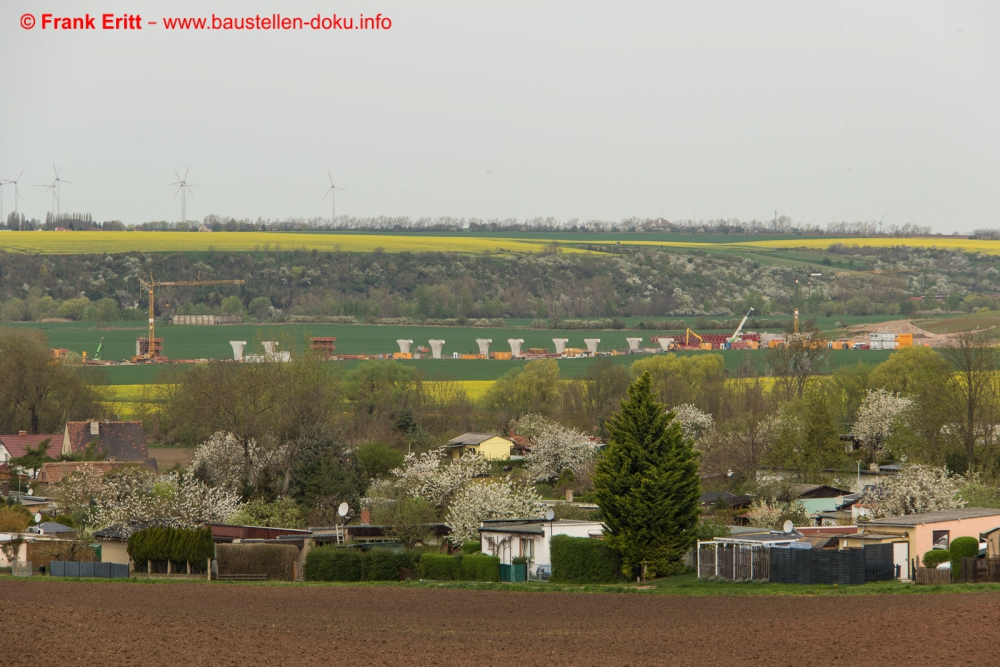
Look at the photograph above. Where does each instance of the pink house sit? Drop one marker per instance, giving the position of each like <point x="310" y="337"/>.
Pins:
<point x="915" y="534"/>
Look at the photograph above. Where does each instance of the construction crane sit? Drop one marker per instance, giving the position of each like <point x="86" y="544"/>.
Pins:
<point x="97" y="354"/>
<point x="736" y="335"/>
<point x="149" y="286"/>
<point x="687" y="338"/>
<point x="796" y="324"/>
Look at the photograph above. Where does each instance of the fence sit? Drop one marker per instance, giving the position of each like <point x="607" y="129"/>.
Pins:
<point x="69" y="568"/>
<point x="515" y="573"/>
<point x="980" y="570"/>
<point x="847" y="567"/>
<point x="19" y="569"/>
<point x="733" y="562"/>
<point x="930" y="576"/>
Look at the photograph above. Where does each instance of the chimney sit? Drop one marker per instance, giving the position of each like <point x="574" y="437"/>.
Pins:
<point x="95" y="428"/>
<point x="366" y="516"/>
<point x="5" y="488"/>
<point x="22" y="433"/>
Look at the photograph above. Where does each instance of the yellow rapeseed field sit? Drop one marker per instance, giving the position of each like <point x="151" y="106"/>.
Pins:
<point x="69" y="243"/>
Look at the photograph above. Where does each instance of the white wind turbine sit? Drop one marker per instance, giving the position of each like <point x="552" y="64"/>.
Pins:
<point x="333" y="199"/>
<point x="11" y="181"/>
<point x="183" y="187"/>
<point x="56" y="189"/>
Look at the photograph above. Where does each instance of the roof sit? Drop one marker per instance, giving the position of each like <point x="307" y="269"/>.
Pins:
<point x="473" y="439"/>
<point x="50" y="527"/>
<point x="712" y="497"/>
<point x="523" y="528"/>
<point x="118" y="440"/>
<point x="17" y="444"/>
<point x="870" y="536"/>
<point x="817" y="491"/>
<point x="936" y="517"/>
<point x="54" y="472"/>
<point x="761" y="537"/>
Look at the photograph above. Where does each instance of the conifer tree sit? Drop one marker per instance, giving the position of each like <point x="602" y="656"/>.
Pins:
<point x="647" y="485"/>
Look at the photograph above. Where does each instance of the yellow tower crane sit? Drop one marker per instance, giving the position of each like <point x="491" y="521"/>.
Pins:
<point x="149" y="285"/>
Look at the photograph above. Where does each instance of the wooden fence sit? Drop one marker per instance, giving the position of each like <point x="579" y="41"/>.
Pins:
<point x="980" y="570"/>
<point x="931" y="576"/>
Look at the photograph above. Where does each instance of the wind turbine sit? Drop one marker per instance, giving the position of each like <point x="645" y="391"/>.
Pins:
<point x="56" y="189"/>
<point x="183" y="188"/>
<point x="333" y="199"/>
<point x="16" y="192"/>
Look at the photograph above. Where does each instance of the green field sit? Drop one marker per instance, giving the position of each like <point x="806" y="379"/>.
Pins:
<point x="212" y="342"/>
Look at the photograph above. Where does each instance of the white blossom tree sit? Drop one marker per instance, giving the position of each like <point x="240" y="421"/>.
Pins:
<point x="878" y="418"/>
<point x="222" y="461"/>
<point x="433" y="476"/>
<point x="134" y="495"/>
<point x="917" y="488"/>
<point x="478" y="502"/>
<point x="556" y="448"/>
<point x="695" y="424"/>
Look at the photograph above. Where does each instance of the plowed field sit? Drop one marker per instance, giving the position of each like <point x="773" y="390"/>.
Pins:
<point x="190" y="624"/>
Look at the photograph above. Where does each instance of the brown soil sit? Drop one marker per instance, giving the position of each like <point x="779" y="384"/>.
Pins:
<point x="190" y="624"/>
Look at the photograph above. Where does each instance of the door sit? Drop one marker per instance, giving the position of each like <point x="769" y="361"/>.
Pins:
<point x="901" y="559"/>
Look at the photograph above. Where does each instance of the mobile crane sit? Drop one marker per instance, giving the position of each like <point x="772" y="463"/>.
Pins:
<point x="97" y="354"/>
<point x="150" y="354"/>
<point x="736" y="335"/>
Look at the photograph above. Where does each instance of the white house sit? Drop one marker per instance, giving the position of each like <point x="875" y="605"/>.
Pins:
<point x="529" y="538"/>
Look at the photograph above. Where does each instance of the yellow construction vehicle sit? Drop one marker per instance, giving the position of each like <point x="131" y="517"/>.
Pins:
<point x="687" y="338"/>
<point x="152" y="349"/>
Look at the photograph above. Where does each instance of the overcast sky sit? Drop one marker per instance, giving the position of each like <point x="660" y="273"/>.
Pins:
<point x="590" y="110"/>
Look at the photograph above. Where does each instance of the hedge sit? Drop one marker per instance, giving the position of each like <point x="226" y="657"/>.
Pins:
<point x="935" y="557"/>
<point x="584" y="560"/>
<point x="962" y="547"/>
<point x="274" y="560"/>
<point x="179" y="545"/>
<point x="332" y="563"/>
<point x="460" y="567"/>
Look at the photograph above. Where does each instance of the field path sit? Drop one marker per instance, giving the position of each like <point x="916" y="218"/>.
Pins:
<point x="180" y="624"/>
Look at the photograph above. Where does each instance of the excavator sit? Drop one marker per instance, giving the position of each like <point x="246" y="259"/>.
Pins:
<point x="687" y="338"/>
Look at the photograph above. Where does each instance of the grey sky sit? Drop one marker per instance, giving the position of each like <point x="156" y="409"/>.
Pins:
<point x="580" y="109"/>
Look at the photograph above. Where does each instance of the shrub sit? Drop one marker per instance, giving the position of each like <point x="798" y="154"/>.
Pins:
<point x="935" y="557"/>
<point x="583" y="560"/>
<point x="14" y="520"/>
<point x="479" y="567"/>
<point x="439" y="566"/>
<point x="962" y="547"/>
<point x="472" y="547"/>
<point x="174" y="544"/>
<point x="385" y="564"/>
<point x="333" y="564"/>
<point x="274" y="560"/>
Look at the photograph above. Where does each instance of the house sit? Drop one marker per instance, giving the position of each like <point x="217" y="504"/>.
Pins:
<point x="53" y="472"/>
<point x="710" y="499"/>
<point x="114" y="545"/>
<point x="488" y="445"/>
<point x="531" y="538"/>
<point x="53" y="528"/>
<point x="992" y="539"/>
<point x="13" y="446"/>
<point x="818" y="497"/>
<point x="119" y="441"/>
<point x="913" y="535"/>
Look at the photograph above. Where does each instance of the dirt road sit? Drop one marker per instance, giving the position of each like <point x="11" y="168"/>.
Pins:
<point x="188" y="624"/>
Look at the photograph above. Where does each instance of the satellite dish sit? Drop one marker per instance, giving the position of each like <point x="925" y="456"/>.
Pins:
<point x="38" y="517"/>
<point x="789" y="526"/>
<point x="30" y="493"/>
<point x="342" y="510"/>
<point x="550" y="515"/>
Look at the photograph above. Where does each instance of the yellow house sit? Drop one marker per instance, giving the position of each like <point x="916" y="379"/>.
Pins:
<point x="488" y="445"/>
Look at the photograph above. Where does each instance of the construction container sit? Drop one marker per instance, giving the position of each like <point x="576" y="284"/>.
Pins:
<point x="538" y="350"/>
<point x="904" y="340"/>
<point x="500" y="355"/>
<point x="705" y="346"/>
<point x="402" y="355"/>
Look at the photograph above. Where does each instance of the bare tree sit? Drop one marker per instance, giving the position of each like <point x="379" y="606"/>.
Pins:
<point x="791" y="364"/>
<point x="972" y="394"/>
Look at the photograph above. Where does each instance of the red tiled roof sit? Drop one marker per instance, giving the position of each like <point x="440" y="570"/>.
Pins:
<point x="53" y="473"/>
<point x="17" y="444"/>
<point x="118" y="440"/>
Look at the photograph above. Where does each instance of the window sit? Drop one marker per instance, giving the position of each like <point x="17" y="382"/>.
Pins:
<point x="528" y="549"/>
<point x="940" y="538"/>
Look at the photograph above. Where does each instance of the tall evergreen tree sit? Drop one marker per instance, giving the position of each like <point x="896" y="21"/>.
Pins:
<point x="647" y="485"/>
